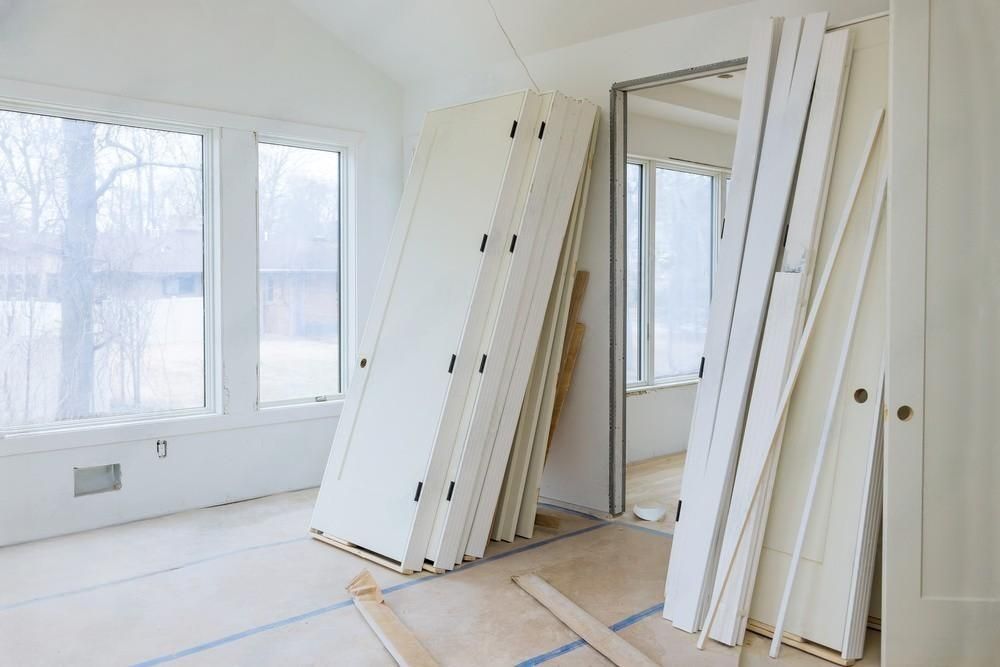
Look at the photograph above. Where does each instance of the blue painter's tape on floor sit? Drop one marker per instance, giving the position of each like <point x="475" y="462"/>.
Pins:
<point x="246" y="633"/>
<point x="344" y="603"/>
<point x="145" y="575"/>
<point x="573" y="645"/>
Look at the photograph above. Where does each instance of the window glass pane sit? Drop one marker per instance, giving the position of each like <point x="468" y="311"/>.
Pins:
<point x="633" y="271"/>
<point x="682" y="271"/>
<point x="299" y="230"/>
<point x="101" y="270"/>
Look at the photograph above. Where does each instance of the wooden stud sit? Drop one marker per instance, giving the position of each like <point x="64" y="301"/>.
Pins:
<point x="402" y="645"/>
<point x="592" y="631"/>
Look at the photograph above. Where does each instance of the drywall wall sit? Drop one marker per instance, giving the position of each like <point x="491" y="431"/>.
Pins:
<point x="658" y="419"/>
<point x="577" y="470"/>
<point x="259" y="58"/>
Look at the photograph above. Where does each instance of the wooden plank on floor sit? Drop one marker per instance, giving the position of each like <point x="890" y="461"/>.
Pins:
<point x="592" y="631"/>
<point x="401" y="644"/>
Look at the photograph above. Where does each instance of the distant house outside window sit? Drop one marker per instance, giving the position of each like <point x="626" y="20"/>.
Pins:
<point x="94" y="218"/>
<point x="299" y="245"/>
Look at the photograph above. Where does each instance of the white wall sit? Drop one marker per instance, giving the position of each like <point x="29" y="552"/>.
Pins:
<point x="577" y="470"/>
<point x="253" y="57"/>
<point x="657" y="420"/>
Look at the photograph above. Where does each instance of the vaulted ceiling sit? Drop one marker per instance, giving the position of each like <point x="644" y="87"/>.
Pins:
<point x="413" y="40"/>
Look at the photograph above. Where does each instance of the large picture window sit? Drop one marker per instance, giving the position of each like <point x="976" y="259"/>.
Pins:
<point x="102" y="303"/>
<point x="299" y="240"/>
<point x="674" y="211"/>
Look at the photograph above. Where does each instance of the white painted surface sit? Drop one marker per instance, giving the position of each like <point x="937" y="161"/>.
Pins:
<point x="395" y="34"/>
<point x="658" y="420"/>
<point x="941" y="580"/>
<point x="259" y="59"/>
<point x="577" y="471"/>
<point x="385" y="449"/>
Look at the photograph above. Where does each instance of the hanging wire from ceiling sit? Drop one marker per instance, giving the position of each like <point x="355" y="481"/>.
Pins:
<point x="512" y="47"/>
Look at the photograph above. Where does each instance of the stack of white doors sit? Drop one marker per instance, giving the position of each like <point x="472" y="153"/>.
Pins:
<point x="780" y="500"/>
<point x="458" y="313"/>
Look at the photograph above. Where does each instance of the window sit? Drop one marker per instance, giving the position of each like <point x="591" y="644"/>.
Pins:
<point x="674" y="212"/>
<point x="299" y="240"/>
<point x="96" y="219"/>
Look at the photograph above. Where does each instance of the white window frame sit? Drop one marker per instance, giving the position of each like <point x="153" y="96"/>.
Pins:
<point x="210" y="254"/>
<point x="647" y="379"/>
<point x="230" y="201"/>
<point x="345" y="248"/>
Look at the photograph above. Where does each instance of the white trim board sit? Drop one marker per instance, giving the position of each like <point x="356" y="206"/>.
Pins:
<point x="707" y="481"/>
<point x="786" y="311"/>
<point x="429" y="277"/>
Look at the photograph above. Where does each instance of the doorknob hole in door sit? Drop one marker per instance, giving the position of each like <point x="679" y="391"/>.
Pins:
<point x="861" y="395"/>
<point x="364" y="362"/>
<point x="904" y="412"/>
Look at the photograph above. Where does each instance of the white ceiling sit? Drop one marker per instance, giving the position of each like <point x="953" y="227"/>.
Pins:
<point x="711" y="103"/>
<point x="413" y="40"/>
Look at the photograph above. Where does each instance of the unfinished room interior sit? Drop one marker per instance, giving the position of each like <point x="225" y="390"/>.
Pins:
<point x="499" y="332"/>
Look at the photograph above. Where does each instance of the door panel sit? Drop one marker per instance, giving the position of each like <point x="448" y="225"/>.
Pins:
<point x="942" y="521"/>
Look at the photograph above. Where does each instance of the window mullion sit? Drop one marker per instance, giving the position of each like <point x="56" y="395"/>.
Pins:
<point x="649" y="284"/>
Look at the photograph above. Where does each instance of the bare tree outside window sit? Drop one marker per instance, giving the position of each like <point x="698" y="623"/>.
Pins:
<point x="101" y="270"/>
<point x="299" y="281"/>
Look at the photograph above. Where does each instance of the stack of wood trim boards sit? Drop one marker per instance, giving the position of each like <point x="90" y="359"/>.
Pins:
<point x="781" y="494"/>
<point x="462" y="350"/>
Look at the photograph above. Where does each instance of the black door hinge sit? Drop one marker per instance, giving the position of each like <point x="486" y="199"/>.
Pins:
<point x="482" y="364"/>
<point x="420" y="487"/>
<point x="513" y="129"/>
<point x="513" y="242"/>
<point x="541" y="130"/>
<point x="451" y="366"/>
<point x="701" y="368"/>
<point x="482" y="246"/>
<point x="678" y="517"/>
<point x="451" y="489"/>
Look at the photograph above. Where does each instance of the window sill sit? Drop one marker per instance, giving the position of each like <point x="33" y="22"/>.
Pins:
<point x="94" y="435"/>
<point x="638" y="390"/>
